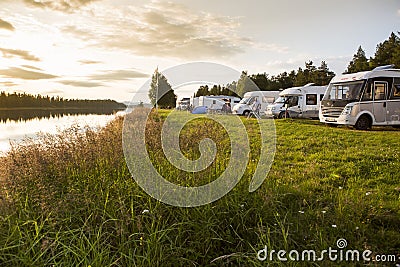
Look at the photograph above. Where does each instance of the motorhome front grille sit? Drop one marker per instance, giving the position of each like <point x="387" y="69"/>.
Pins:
<point x="332" y="112"/>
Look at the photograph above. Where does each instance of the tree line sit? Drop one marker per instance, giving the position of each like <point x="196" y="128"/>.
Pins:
<point x="387" y="53"/>
<point x="24" y="100"/>
<point x="320" y="75"/>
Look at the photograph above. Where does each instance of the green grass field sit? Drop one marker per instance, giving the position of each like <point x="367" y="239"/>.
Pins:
<point x="71" y="200"/>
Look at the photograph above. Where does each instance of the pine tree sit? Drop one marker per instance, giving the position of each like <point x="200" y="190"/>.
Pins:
<point x="161" y="92"/>
<point x="301" y="78"/>
<point x="245" y="84"/>
<point x="261" y="80"/>
<point x="202" y="91"/>
<point x="387" y="52"/>
<point x="323" y="74"/>
<point x="359" y="62"/>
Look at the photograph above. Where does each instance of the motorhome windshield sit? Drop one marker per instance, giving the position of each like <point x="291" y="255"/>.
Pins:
<point x="244" y="100"/>
<point x="344" y="91"/>
<point x="280" y="100"/>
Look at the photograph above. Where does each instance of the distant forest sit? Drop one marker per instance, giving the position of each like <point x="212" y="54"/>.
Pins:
<point x="28" y="101"/>
<point x="387" y="53"/>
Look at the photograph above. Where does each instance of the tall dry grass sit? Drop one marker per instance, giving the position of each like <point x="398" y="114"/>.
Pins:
<point x="69" y="199"/>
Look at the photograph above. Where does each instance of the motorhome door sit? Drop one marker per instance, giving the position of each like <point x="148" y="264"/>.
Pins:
<point x="380" y="103"/>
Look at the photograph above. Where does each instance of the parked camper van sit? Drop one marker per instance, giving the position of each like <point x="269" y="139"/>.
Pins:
<point x="297" y="102"/>
<point x="263" y="97"/>
<point x="183" y="103"/>
<point x="363" y="99"/>
<point x="213" y="103"/>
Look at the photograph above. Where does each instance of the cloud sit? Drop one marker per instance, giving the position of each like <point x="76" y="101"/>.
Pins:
<point x="164" y="29"/>
<point x="52" y="92"/>
<point x="89" y="62"/>
<point x="31" y="67"/>
<point x="98" y="79"/>
<point x="6" y="25"/>
<point x="19" y="73"/>
<point x="9" y="53"/>
<point x="83" y="34"/>
<point x="8" y="84"/>
<point x="60" y="5"/>
<point x="272" y="48"/>
<point x="81" y="83"/>
<point x="118" y="75"/>
<point x="75" y="83"/>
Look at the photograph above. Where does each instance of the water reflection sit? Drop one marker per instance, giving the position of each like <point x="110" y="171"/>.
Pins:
<point x="17" y="125"/>
<point x="21" y="115"/>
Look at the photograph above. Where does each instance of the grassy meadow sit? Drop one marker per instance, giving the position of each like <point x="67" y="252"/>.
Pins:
<point x="69" y="200"/>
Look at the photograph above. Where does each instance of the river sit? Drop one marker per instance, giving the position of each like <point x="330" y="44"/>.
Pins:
<point x="12" y="130"/>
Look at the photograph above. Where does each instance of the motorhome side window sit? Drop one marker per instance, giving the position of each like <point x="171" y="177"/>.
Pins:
<point x="311" y="99"/>
<point x="367" y="95"/>
<point x="380" y="90"/>
<point x="396" y="88"/>
<point x="292" y="101"/>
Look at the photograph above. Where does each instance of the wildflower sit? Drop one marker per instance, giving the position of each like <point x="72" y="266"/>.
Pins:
<point x="340" y="187"/>
<point x="145" y="211"/>
<point x="300" y="211"/>
<point x="323" y="212"/>
<point x="334" y="225"/>
<point x="368" y="193"/>
<point x="357" y="227"/>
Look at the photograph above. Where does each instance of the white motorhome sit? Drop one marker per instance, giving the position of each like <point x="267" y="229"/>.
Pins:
<point x="263" y="97"/>
<point x="183" y="103"/>
<point x="194" y="102"/>
<point x="297" y="102"/>
<point x="213" y="103"/>
<point x="363" y="99"/>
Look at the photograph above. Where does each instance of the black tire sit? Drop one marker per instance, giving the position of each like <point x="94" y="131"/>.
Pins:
<point x="331" y="125"/>
<point x="282" y="115"/>
<point x="246" y="113"/>
<point x="363" y="123"/>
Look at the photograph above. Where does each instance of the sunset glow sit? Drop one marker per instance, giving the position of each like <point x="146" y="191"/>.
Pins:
<point x="108" y="49"/>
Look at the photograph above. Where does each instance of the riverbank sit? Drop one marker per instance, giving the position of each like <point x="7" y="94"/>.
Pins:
<point x="71" y="200"/>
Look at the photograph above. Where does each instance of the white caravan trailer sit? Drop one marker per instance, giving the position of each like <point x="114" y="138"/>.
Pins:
<point x="363" y="99"/>
<point x="298" y="102"/>
<point x="263" y="97"/>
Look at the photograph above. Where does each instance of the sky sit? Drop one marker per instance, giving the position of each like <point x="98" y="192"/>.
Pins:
<point x="107" y="49"/>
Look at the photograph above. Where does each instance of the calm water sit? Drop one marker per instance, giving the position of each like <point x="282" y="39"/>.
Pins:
<point x="17" y="130"/>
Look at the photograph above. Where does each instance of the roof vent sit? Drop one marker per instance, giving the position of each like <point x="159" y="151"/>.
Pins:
<point x="386" y="67"/>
